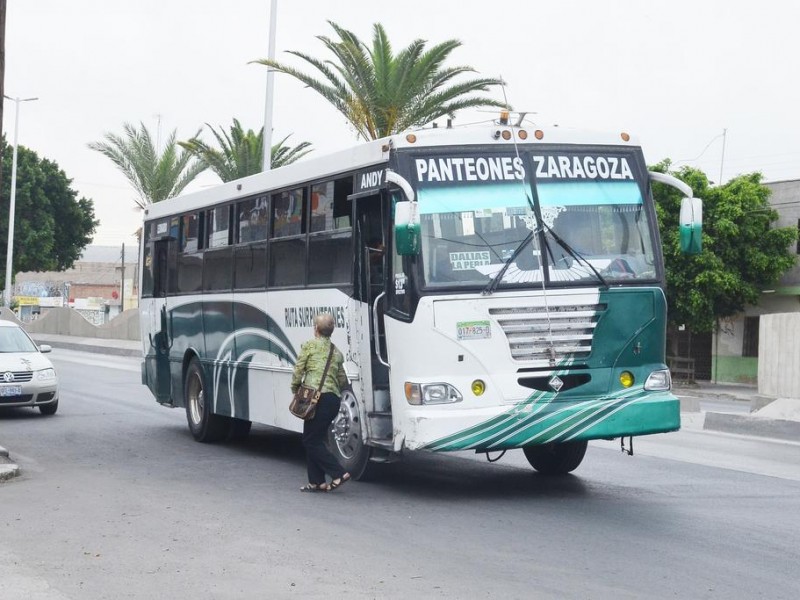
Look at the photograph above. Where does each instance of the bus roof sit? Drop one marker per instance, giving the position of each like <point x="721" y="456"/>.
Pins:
<point x="367" y="154"/>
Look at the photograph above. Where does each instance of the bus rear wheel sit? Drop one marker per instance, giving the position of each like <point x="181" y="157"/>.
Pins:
<point x="556" y="459"/>
<point x="203" y="423"/>
<point x="345" y="440"/>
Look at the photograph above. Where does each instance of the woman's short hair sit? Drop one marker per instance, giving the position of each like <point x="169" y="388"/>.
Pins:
<point x="325" y="324"/>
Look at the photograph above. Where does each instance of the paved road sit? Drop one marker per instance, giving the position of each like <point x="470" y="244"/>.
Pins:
<point x="117" y="501"/>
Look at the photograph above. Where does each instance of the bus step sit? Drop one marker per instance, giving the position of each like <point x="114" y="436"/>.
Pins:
<point x="383" y="444"/>
<point x="380" y="413"/>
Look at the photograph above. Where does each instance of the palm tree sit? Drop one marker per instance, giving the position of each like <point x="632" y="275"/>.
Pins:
<point x="241" y="153"/>
<point x="381" y="93"/>
<point x="154" y="175"/>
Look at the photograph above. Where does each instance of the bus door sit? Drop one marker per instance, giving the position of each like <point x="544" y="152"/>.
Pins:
<point x="371" y="227"/>
<point x="162" y="251"/>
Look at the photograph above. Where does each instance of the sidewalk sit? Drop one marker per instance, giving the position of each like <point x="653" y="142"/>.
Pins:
<point x="739" y="409"/>
<point x="98" y="345"/>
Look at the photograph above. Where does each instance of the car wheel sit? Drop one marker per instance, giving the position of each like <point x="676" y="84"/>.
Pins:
<point x="556" y="459"/>
<point x="49" y="409"/>
<point x="204" y="424"/>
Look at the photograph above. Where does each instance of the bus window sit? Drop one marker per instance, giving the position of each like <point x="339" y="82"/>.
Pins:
<point x="287" y="213"/>
<point x="330" y="258"/>
<point x="330" y="209"/>
<point x="287" y="262"/>
<point x="190" y="233"/>
<point x="219" y="225"/>
<point x="251" y="220"/>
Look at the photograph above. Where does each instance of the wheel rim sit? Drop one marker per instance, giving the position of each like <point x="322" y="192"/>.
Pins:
<point x="196" y="404"/>
<point x="346" y="430"/>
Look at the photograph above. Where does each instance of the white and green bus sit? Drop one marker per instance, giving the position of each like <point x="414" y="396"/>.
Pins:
<point x="494" y="287"/>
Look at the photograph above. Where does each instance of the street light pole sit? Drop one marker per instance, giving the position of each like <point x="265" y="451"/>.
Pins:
<point x="267" y="165"/>
<point x="10" y="251"/>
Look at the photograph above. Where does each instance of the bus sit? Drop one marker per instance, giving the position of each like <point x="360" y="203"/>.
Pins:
<point x="494" y="287"/>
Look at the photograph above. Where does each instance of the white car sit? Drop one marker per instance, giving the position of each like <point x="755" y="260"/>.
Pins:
<point x="27" y="377"/>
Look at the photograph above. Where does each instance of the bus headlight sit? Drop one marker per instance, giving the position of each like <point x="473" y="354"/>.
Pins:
<point x="431" y="393"/>
<point x="658" y="381"/>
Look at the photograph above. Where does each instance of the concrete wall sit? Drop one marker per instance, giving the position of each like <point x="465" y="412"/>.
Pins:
<point x="68" y="321"/>
<point x="779" y="355"/>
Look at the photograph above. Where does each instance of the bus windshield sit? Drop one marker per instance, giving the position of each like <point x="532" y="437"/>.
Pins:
<point x="588" y="232"/>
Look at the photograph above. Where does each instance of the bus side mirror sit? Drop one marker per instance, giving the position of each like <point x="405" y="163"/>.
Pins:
<point x="406" y="228"/>
<point x="691" y="225"/>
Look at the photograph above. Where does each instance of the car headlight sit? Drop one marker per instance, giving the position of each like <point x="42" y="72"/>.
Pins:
<point x="658" y="381"/>
<point x="46" y="374"/>
<point x="431" y="393"/>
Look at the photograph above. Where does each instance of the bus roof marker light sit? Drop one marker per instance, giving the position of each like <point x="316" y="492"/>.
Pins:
<point x="411" y="138"/>
<point x="538" y="134"/>
<point x="625" y="137"/>
<point x="523" y="135"/>
<point x="506" y="134"/>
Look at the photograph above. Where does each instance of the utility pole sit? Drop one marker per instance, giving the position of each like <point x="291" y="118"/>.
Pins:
<point x="2" y="76"/>
<point x="122" y="287"/>
<point x="267" y="164"/>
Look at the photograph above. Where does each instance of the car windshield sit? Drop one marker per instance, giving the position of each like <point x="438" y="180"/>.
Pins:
<point x="589" y="228"/>
<point x="13" y="339"/>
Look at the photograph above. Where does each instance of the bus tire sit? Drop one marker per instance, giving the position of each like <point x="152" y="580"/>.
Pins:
<point x="556" y="459"/>
<point x="204" y="425"/>
<point x="346" y="442"/>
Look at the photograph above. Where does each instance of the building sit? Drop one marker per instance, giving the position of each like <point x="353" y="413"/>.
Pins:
<point x="735" y="347"/>
<point x="100" y="285"/>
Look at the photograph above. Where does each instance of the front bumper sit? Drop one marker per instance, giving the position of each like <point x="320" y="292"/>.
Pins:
<point x="33" y="393"/>
<point x="539" y="420"/>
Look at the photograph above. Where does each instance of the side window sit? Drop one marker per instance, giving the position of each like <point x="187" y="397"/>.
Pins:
<point x="330" y="209"/>
<point x="252" y="217"/>
<point x="219" y="223"/>
<point x="330" y="241"/>
<point x="287" y="213"/>
<point x="190" y="233"/>
<point x="190" y="259"/>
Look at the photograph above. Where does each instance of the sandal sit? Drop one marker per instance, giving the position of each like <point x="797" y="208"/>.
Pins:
<point x="312" y="487"/>
<point x="339" y="481"/>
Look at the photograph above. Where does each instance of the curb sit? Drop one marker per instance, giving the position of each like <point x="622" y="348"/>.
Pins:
<point x="754" y="426"/>
<point x="96" y="348"/>
<point x="8" y="470"/>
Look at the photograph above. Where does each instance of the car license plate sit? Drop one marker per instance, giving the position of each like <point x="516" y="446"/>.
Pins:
<point x="12" y="390"/>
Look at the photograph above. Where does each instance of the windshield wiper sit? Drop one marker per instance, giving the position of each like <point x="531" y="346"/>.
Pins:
<point x="573" y="253"/>
<point x="492" y="285"/>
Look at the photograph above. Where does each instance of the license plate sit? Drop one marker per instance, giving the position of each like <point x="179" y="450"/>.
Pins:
<point x="13" y="390"/>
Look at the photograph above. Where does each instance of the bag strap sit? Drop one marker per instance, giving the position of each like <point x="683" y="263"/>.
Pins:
<point x="325" y="371"/>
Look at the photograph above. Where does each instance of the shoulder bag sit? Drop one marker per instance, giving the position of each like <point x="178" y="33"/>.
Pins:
<point x="304" y="402"/>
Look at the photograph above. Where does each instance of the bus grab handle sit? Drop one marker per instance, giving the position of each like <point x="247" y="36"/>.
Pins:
<point x="375" y="335"/>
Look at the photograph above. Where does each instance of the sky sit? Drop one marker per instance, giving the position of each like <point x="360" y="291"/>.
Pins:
<point x="711" y="84"/>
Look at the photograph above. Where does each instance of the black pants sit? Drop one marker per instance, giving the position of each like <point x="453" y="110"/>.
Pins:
<point x="315" y="431"/>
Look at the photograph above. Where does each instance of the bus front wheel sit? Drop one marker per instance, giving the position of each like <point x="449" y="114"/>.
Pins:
<point x="203" y="423"/>
<point x="345" y="439"/>
<point x="556" y="459"/>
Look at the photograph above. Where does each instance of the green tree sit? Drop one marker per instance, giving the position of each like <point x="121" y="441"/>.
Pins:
<point x="742" y="253"/>
<point x="155" y="175"/>
<point x="52" y="224"/>
<point x="241" y="153"/>
<point x="381" y="92"/>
